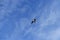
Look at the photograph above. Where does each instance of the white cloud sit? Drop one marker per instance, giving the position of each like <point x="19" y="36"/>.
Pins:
<point x="19" y="28"/>
<point x="54" y="35"/>
<point x="24" y="23"/>
<point x="50" y="20"/>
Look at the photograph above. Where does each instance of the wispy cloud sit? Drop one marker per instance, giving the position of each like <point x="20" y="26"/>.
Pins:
<point x="47" y="17"/>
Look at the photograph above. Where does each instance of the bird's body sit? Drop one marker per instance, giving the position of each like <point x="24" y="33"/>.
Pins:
<point x="33" y="21"/>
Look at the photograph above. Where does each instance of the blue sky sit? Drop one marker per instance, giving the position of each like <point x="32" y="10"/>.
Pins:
<point x="16" y="17"/>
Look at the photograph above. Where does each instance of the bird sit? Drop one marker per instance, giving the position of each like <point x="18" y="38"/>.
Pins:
<point x="33" y="21"/>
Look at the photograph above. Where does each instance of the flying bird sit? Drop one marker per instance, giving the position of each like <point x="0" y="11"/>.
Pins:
<point x="33" y="21"/>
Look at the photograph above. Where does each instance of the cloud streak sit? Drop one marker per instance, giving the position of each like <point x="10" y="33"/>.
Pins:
<point x="47" y="15"/>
